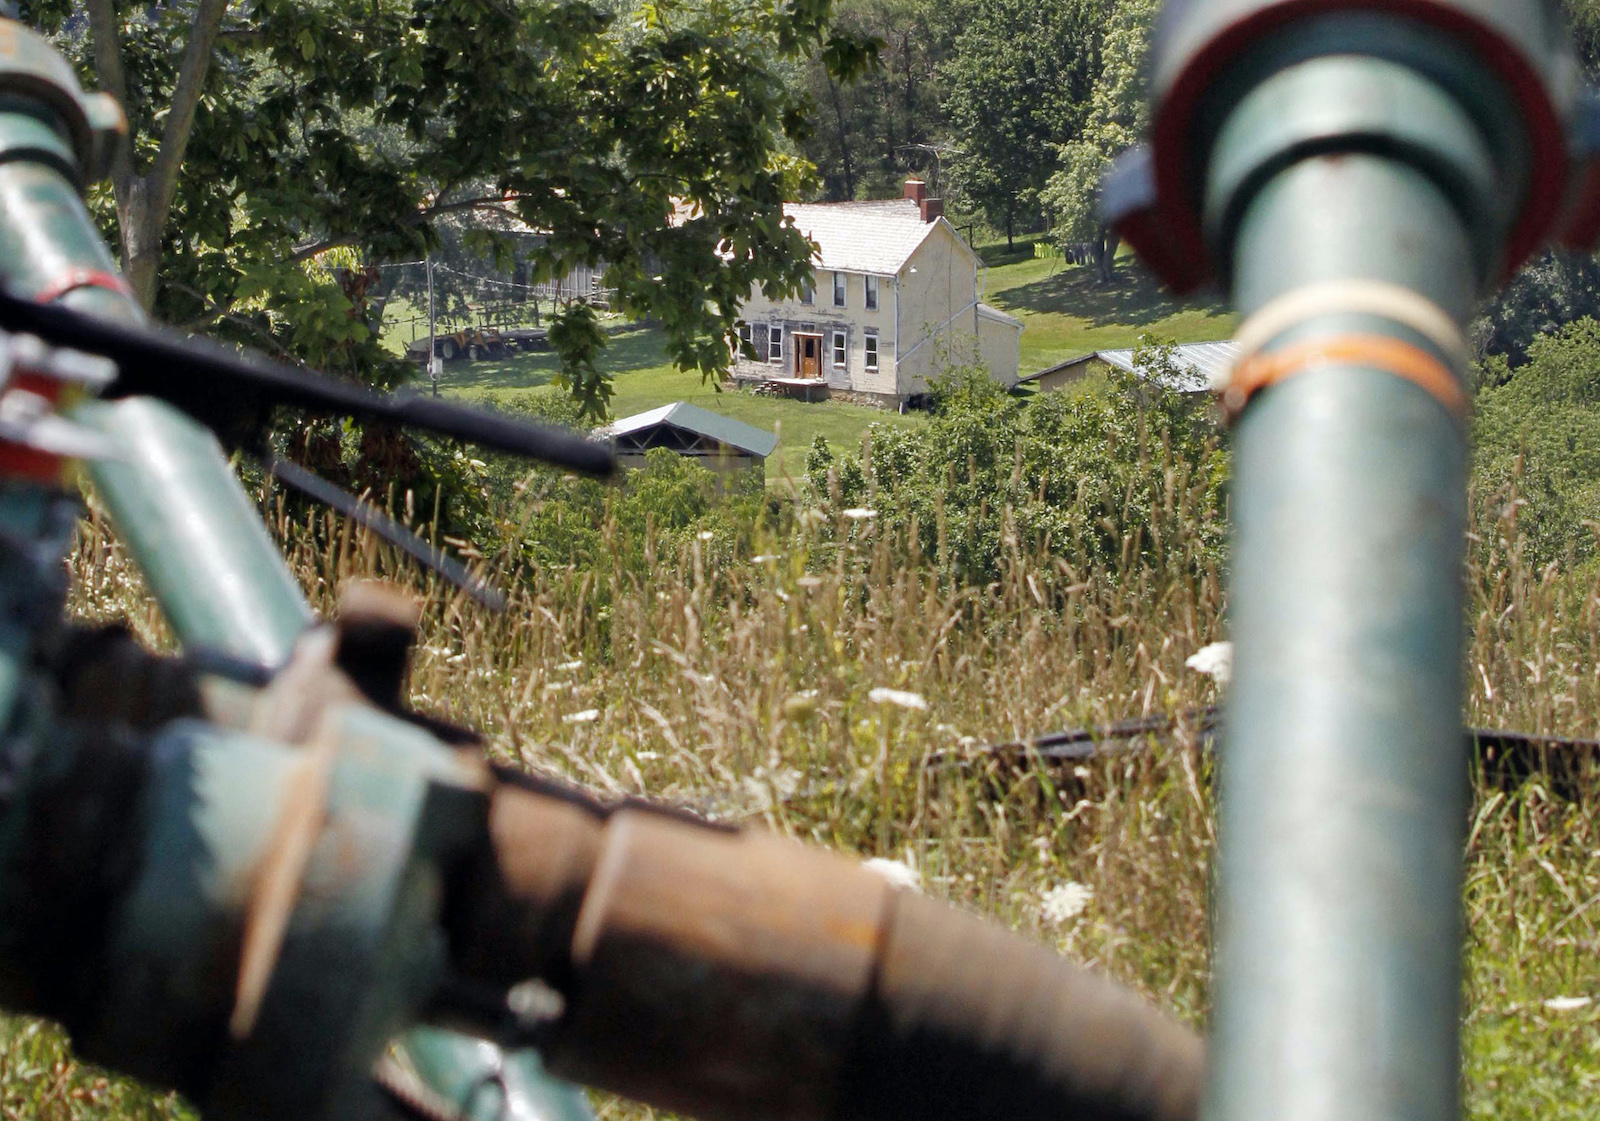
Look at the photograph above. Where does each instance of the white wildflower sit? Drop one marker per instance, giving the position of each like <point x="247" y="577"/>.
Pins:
<point x="882" y="696"/>
<point x="586" y="716"/>
<point x="705" y="535"/>
<point x="810" y="581"/>
<point x="897" y="872"/>
<point x="1567" y="1003"/>
<point x="1065" y="902"/>
<point x="860" y="513"/>
<point x="763" y="558"/>
<point x="1215" y="661"/>
<point x="568" y="667"/>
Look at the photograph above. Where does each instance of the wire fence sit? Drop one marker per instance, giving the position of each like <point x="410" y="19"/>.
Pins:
<point x="479" y="313"/>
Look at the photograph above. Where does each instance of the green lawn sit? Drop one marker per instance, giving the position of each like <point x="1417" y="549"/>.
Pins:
<point x="645" y="380"/>
<point x="1067" y="312"/>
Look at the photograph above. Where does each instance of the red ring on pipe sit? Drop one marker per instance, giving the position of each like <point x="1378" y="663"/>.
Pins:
<point x="71" y="280"/>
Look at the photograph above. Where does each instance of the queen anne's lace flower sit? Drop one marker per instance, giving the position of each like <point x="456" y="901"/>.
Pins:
<point x="896" y="872"/>
<point x="882" y="696"/>
<point x="1065" y="902"/>
<point x="1215" y="661"/>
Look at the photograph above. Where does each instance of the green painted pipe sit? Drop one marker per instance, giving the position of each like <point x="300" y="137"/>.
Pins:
<point x="199" y="541"/>
<point x="171" y="494"/>
<point x="464" y="1079"/>
<point x="220" y="579"/>
<point x="1343" y="790"/>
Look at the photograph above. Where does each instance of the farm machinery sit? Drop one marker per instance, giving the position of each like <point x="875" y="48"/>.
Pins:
<point x="249" y="872"/>
<point x="474" y="344"/>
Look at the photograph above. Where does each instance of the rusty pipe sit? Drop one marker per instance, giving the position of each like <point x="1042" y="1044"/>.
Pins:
<point x="735" y="975"/>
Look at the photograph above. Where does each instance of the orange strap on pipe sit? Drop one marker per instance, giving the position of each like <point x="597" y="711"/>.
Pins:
<point x="1373" y="352"/>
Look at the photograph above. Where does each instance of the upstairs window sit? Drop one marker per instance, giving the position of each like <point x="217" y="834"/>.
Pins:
<point x="872" y="352"/>
<point x="838" y="350"/>
<point x="775" y="343"/>
<point x="872" y="293"/>
<point x="808" y="293"/>
<point x="747" y="339"/>
<point x="838" y="289"/>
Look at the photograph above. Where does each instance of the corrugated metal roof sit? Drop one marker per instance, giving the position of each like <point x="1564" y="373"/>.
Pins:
<point x="1199" y="366"/>
<point x="702" y="422"/>
<point x="872" y="237"/>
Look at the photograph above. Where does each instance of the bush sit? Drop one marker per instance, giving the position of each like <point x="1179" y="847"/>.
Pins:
<point x="1536" y="457"/>
<point x="1086" y="475"/>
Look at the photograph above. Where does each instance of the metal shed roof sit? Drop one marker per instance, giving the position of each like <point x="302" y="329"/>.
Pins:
<point x="701" y="422"/>
<point x="1200" y="366"/>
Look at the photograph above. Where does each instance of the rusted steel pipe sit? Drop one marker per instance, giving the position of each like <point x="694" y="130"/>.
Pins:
<point x="734" y="975"/>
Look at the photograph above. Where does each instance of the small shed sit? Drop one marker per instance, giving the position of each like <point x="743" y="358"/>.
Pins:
<point x="719" y="443"/>
<point x="1198" y="367"/>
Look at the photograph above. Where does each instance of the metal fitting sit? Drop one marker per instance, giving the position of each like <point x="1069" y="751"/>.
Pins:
<point x="35" y="75"/>
<point x="1505" y="73"/>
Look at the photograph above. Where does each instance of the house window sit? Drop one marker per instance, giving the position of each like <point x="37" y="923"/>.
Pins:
<point x="872" y="293"/>
<point x="871" y="343"/>
<point x="775" y="343"/>
<point x="747" y="340"/>
<point x="808" y="293"/>
<point x="838" y="289"/>
<point x="838" y="350"/>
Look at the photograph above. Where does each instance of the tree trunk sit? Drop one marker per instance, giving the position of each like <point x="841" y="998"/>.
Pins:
<point x="141" y="227"/>
<point x="144" y="196"/>
<point x="844" y="140"/>
<point x="1105" y="245"/>
<point x="1010" y="242"/>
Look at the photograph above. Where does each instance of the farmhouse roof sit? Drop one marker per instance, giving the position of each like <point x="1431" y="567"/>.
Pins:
<point x="700" y="422"/>
<point x="870" y="237"/>
<point x="1198" y="366"/>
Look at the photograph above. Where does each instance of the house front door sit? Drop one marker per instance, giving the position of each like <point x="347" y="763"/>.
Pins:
<point x="808" y="356"/>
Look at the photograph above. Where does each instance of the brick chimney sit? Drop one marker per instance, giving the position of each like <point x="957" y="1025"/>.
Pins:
<point x="932" y="209"/>
<point x="916" y="191"/>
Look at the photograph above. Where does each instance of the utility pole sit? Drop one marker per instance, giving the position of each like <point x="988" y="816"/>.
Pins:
<point x="434" y="361"/>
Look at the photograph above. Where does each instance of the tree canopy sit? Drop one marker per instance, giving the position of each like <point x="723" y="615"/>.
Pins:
<point x="657" y="136"/>
<point x="1019" y="76"/>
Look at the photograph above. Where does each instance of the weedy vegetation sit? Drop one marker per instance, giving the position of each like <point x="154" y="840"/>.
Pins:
<point x="824" y="665"/>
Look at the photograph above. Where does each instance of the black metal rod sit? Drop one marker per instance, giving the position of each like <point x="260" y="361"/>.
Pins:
<point x="370" y="517"/>
<point x="217" y="386"/>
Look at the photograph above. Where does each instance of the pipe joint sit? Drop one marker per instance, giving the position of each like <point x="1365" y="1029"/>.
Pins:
<point x="1344" y="104"/>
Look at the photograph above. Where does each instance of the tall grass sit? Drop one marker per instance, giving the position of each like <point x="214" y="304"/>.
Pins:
<point x="738" y="679"/>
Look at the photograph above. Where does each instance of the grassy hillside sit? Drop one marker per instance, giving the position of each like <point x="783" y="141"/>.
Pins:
<point x="1067" y="311"/>
<point x="739" y="682"/>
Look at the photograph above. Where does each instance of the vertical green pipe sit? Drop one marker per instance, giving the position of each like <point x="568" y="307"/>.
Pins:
<point x="220" y="579"/>
<point x="1343" y="782"/>
<point x="198" y="538"/>
<point x="173" y="497"/>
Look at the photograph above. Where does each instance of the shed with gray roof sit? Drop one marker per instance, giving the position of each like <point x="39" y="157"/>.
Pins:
<point x="1196" y="367"/>
<point x="717" y="442"/>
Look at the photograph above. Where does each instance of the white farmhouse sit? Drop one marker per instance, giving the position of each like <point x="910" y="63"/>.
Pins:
<point x="896" y="298"/>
